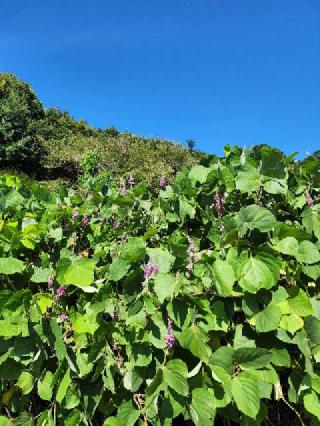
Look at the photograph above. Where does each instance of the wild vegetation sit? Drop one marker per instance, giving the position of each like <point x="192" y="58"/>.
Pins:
<point x="50" y="145"/>
<point x="192" y="301"/>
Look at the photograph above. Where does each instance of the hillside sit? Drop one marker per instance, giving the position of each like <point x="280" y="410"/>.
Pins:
<point x="50" y="144"/>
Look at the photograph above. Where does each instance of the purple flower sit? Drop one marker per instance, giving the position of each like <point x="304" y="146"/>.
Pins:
<point x="50" y="282"/>
<point x="189" y="266"/>
<point x="75" y="215"/>
<point x="85" y="221"/>
<point x="123" y="188"/>
<point x="61" y="291"/>
<point x="218" y="203"/>
<point x="63" y="317"/>
<point x="116" y="224"/>
<point x="163" y="182"/>
<point x="150" y="269"/>
<point x="192" y="247"/>
<point x="131" y="180"/>
<point x="309" y="200"/>
<point x="170" y="340"/>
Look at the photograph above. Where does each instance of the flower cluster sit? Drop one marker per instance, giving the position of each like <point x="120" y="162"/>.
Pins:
<point x="131" y="180"/>
<point x="115" y="223"/>
<point x="123" y="188"/>
<point x="218" y="203"/>
<point x="192" y="258"/>
<point x="309" y="199"/>
<point x="75" y="215"/>
<point x="50" y="282"/>
<point x="63" y="317"/>
<point x="163" y="182"/>
<point x="150" y="269"/>
<point x="61" y="291"/>
<point x="85" y="221"/>
<point x="170" y="340"/>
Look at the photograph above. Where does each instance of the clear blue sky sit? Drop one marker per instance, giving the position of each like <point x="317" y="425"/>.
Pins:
<point x="217" y="71"/>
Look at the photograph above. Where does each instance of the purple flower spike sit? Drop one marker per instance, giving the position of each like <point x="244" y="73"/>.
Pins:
<point x="123" y="188"/>
<point x="150" y="269"/>
<point x="131" y="180"/>
<point x="61" y="291"/>
<point x="116" y="224"/>
<point x="50" y="282"/>
<point x="85" y="221"/>
<point x="163" y="182"/>
<point x="218" y="203"/>
<point x="192" y="247"/>
<point x="170" y="340"/>
<point x="75" y="215"/>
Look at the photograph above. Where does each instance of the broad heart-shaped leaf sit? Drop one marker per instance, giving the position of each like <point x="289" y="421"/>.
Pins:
<point x="268" y="319"/>
<point x="291" y="323"/>
<point x="255" y="217"/>
<point x="248" y="179"/>
<point x="311" y="220"/>
<point x="25" y="382"/>
<point x="164" y="285"/>
<point x="41" y="275"/>
<point x="308" y="253"/>
<point x="194" y="339"/>
<point x="202" y="409"/>
<point x="45" y="386"/>
<point x="198" y="174"/>
<point x="252" y="358"/>
<point x="312" y="403"/>
<point x="255" y="275"/>
<point x="245" y="392"/>
<point x="186" y="209"/>
<point x="223" y="357"/>
<point x="299" y="302"/>
<point x="118" y="269"/>
<point x="7" y="329"/>
<point x="79" y="273"/>
<point x="224" y="277"/>
<point x="134" y="249"/>
<point x="162" y="258"/>
<point x="10" y="265"/>
<point x="175" y="375"/>
<point x="288" y="245"/>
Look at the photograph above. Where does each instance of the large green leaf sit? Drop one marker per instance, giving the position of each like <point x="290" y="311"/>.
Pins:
<point x="10" y="265"/>
<point x="175" y="374"/>
<point x="79" y="273"/>
<point x="255" y="275"/>
<point x="134" y="249"/>
<point x="312" y="403"/>
<point x="63" y="386"/>
<point x="248" y="179"/>
<point x="268" y="319"/>
<point x="255" y="217"/>
<point x="164" y="286"/>
<point x="252" y="358"/>
<point x="224" y="277"/>
<point x="198" y="174"/>
<point x="202" y="409"/>
<point x="118" y="269"/>
<point x="45" y="386"/>
<point x="162" y="258"/>
<point x="194" y="339"/>
<point x="308" y="253"/>
<point x="246" y="394"/>
<point x="25" y="382"/>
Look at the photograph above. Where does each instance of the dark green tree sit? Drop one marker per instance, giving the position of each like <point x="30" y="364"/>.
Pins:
<point x="19" y="109"/>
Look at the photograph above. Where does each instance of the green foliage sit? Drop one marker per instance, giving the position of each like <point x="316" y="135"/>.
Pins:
<point x="163" y="308"/>
<point x="19" y="108"/>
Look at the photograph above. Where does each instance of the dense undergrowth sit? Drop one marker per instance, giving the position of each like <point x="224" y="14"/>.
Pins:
<point x="198" y="304"/>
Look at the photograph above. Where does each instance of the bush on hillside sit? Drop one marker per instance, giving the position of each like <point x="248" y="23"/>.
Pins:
<point x="19" y="108"/>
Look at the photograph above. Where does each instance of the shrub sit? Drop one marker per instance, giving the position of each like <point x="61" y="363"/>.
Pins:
<point x="197" y="305"/>
<point x="19" y="108"/>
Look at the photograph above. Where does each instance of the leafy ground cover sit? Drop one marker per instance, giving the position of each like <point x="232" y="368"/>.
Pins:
<point x="196" y="305"/>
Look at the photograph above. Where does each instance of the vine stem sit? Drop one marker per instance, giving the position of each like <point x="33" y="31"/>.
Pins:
<point x="294" y="410"/>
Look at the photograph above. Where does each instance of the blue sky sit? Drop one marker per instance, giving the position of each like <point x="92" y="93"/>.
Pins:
<point x="216" y="71"/>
